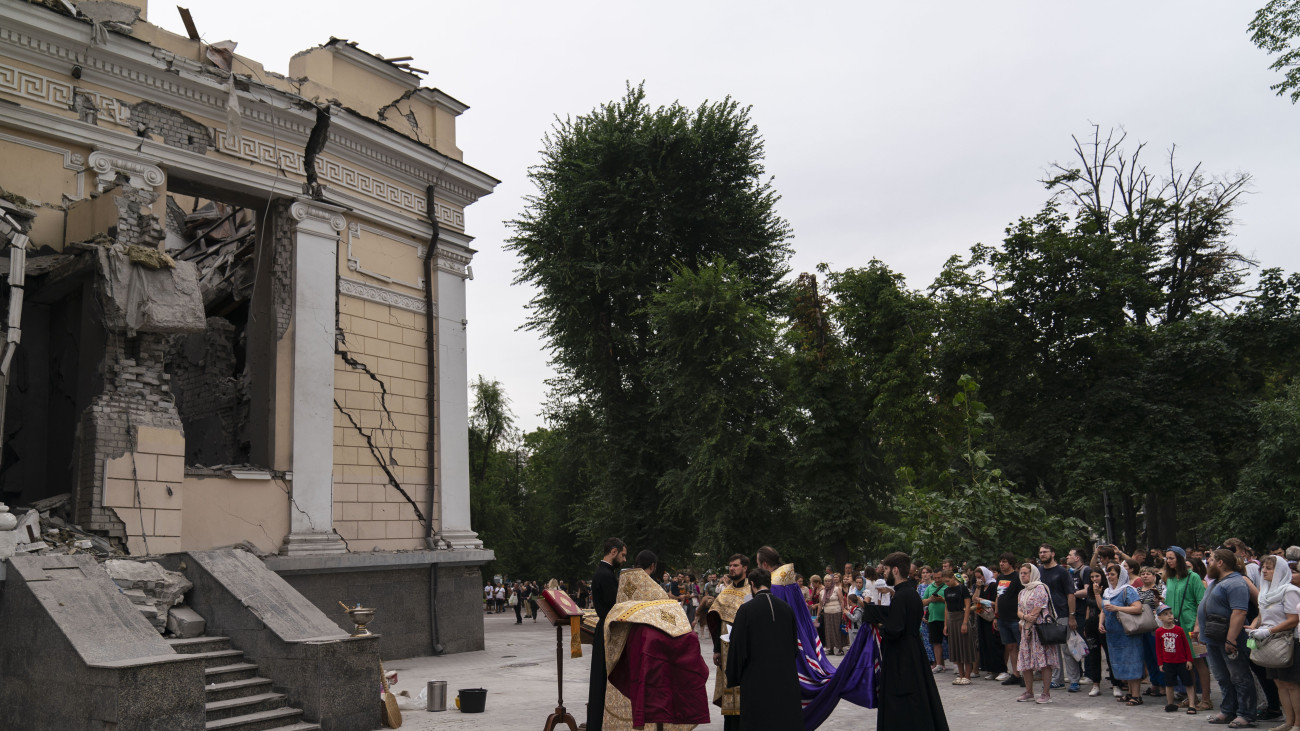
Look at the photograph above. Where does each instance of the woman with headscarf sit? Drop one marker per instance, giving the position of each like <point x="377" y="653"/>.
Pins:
<point x="1277" y="615"/>
<point x="990" y="643"/>
<point x="1125" y="652"/>
<point x="1033" y="608"/>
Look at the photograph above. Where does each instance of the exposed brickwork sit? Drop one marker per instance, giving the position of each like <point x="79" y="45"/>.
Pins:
<point x="137" y="393"/>
<point x="136" y="223"/>
<point x="174" y="128"/>
<point x="211" y="403"/>
<point x="282" y="268"/>
<point x="390" y="342"/>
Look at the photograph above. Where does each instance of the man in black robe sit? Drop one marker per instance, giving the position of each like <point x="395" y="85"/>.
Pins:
<point x="909" y="698"/>
<point x="604" y="594"/>
<point x="761" y="660"/>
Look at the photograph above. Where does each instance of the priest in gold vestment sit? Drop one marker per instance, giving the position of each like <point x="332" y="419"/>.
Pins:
<point x="721" y="616"/>
<point x="652" y="657"/>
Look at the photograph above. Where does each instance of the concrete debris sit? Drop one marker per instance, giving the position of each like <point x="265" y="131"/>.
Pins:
<point x="154" y="589"/>
<point x="185" y="622"/>
<point x="139" y="299"/>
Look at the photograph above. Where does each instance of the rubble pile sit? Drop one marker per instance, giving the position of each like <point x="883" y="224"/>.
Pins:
<point x="154" y="590"/>
<point x="220" y="240"/>
<point x="43" y="529"/>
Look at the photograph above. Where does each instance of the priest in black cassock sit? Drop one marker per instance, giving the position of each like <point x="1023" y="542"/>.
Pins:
<point x="604" y="593"/>
<point x="908" y="696"/>
<point x="761" y="660"/>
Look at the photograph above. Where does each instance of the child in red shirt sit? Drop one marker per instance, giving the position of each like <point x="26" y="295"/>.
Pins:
<point x="1175" y="658"/>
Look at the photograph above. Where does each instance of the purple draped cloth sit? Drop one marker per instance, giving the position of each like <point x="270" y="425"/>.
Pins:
<point x="821" y="684"/>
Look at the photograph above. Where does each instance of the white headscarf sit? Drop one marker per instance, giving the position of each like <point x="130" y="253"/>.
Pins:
<point x="1034" y="577"/>
<point x="989" y="578"/>
<point x="1275" y="591"/>
<point x="1113" y="591"/>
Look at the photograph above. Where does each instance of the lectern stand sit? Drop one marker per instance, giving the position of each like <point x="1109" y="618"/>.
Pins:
<point x="560" y="610"/>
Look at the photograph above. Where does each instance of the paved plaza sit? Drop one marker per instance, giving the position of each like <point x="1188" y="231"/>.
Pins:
<point x="518" y="670"/>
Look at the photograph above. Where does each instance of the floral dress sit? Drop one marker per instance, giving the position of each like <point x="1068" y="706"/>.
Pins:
<point x="1033" y="656"/>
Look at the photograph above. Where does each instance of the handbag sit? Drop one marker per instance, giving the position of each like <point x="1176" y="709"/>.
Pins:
<point x="1053" y="631"/>
<point x="1275" y="651"/>
<point x="1138" y="624"/>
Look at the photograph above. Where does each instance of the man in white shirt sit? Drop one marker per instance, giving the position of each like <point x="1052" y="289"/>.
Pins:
<point x="489" y="598"/>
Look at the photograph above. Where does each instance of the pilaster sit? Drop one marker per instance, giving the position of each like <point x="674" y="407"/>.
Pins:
<point x="453" y="403"/>
<point x="316" y="228"/>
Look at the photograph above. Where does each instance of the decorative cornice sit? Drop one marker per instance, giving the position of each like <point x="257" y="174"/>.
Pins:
<point x="345" y="176"/>
<point x="453" y="262"/>
<point x="141" y="172"/>
<point x="365" y="291"/>
<point x="305" y="211"/>
<point x="59" y="94"/>
<point x="133" y="67"/>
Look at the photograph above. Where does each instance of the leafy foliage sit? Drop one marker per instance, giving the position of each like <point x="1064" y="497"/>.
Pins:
<point x="1275" y="28"/>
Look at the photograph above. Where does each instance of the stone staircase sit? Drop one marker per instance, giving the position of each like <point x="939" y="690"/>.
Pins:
<point x="237" y="698"/>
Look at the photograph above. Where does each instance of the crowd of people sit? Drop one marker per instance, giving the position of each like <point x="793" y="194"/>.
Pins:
<point x="1157" y="627"/>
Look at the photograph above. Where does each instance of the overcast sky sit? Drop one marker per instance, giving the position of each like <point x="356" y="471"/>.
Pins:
<point x="901" y="131"/>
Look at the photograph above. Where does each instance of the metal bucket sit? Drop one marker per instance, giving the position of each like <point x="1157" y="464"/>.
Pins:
<point x="436" y="695"/>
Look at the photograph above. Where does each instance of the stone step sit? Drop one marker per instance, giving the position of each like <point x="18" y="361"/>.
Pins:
<point x="238" y="688"/>
<point x="192" y="645"/>
<point x="244" y="705"/>
<point x="227" y="673"/>
<point x="303" y="726"/>
<point x="218" y="658"/>
<point x="257" y="721"/>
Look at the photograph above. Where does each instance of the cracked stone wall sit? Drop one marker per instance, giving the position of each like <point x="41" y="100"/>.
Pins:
<point x="390" y="343"/>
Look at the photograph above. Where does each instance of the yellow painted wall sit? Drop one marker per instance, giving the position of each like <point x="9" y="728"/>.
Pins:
<point x="368" y="512"/>
<point x="221" y="511"/>
<point x="144" y="489"/>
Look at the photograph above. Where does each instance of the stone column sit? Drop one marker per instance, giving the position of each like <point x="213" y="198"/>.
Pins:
<point x="453" y="399"/>
<point x="316" y="228"/>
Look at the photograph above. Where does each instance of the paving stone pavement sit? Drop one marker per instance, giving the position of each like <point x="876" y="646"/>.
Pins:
<point x="518" y="670"/>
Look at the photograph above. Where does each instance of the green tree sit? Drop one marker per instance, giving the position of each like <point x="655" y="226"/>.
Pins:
<point x="626" y="195"/>
<point x="972" y="511"/>
<point x="1275" y="28"/>
<point x="714" y="367"/>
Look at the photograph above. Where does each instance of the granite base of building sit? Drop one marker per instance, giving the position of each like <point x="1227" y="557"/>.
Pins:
<point x="402" y="587"/>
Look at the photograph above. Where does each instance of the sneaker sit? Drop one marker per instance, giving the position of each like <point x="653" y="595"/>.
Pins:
<point x="1025" y="697"/>
<point x="1118" y="692"/>
<point x="1002" y="676"/>
<point x="1096" y="691"/>
<point x="1010" y="679"/>
<point x="1268" y="714"/>
<point x="1057" y="686"/>
<point x="1074" y="688"/>
<point x="1044" y="699"/>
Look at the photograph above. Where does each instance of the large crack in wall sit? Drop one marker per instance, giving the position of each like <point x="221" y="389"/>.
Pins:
<point x="375" y="450"/>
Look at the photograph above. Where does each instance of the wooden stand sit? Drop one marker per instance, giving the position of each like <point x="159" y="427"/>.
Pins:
<point x="561" y="716"/>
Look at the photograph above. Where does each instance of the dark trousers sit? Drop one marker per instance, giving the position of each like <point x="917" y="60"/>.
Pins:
<point x="1149" y="659"/>
<point x="596" y="692"/>
<point x="519" y="611"/>
<point x="1092" y="663"/>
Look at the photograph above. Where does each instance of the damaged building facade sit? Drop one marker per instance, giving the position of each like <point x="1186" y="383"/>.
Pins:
<point x="243" y="319"/>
